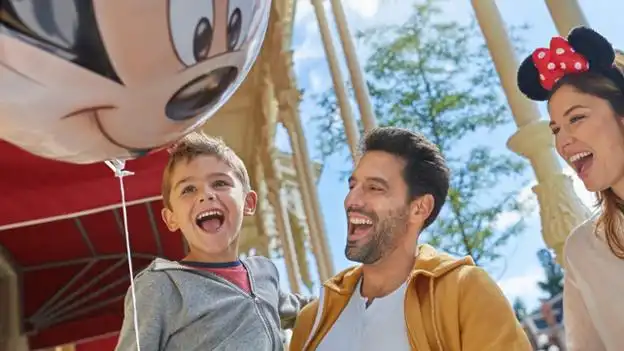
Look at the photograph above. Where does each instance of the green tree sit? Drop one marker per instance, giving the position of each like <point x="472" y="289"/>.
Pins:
<point x="436" y="77"/>
<point x="552" y="284"/>
<point x="519" y="308"/>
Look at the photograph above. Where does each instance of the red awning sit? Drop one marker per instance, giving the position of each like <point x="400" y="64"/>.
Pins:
<point x="61" y="228"/>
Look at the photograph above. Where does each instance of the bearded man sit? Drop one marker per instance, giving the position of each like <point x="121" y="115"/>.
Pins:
<point x="404" y="296"/>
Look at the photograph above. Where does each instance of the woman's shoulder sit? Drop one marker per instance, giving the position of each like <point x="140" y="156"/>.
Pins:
<point x="581" y="236"/>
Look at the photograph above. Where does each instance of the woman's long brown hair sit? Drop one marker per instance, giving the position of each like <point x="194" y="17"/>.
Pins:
<point x="611" y="219"/>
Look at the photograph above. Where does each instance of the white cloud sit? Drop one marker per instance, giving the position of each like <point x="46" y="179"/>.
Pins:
<point x="506" y="220"/>
<point x="361" y="14"/>
<point x="363" y="8"/>
<point x="311" y="48"/>
<point x="317" y="83"/>
<point x="523" y="286"/>
<point x="528" y="201"/>
<point x="304" y="9"/>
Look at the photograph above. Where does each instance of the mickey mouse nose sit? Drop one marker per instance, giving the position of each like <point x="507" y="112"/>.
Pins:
<point x="200" y="94"/>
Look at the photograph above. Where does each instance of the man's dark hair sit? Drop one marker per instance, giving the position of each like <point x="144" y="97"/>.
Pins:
<point x="425" y="169"/>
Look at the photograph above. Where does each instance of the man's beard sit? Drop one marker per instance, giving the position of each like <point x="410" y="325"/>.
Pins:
<point x="383" y="239"/>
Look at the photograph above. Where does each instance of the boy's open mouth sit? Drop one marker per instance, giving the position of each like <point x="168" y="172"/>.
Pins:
<point x="210" y="221"/>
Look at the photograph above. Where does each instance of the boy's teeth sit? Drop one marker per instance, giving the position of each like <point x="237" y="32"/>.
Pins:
<point x="579" y="156"/>
<point x="209" y="213"/>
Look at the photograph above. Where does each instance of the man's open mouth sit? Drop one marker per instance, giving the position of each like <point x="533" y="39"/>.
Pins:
<point x="359" y="227"/>
<point x="210" y="221"/>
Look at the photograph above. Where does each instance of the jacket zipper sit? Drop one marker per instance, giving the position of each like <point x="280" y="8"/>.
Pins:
<point x="251" y="295"/>
<point x="258" y="308"/>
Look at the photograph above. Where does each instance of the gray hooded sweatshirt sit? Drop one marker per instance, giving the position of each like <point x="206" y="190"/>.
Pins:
<point x="184" y="309"/>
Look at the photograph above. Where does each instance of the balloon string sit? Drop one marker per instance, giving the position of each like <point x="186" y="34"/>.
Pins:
<point x="129" y="257"/>
<point x="118" y="167"/>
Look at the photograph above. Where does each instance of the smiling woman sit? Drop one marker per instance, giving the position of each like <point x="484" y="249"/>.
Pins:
<point x="583" y="82"/>
<point x="587" y="119"/>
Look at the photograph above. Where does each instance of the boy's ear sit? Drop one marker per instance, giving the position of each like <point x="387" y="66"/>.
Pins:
<point x="251" y="201"/>
<point x="169" y="219"/>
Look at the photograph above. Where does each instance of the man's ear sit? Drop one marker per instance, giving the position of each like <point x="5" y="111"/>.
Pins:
<point x="169" y="219"/>
<point x="251" y="201"/>
<point x="421" y="208"/>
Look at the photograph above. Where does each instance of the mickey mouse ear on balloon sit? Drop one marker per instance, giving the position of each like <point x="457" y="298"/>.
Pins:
<point x="584" y="50"/>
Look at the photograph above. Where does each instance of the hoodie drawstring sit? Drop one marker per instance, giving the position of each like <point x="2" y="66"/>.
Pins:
<point x="433" y="316"/>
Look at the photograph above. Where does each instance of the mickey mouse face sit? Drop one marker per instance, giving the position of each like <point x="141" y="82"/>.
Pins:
<point x="118" y="78"/>
<point x="196" y="37"/>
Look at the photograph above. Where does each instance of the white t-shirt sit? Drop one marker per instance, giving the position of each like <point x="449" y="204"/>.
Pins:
<point x="592" y="295"/>
<point x="381" y="326"/>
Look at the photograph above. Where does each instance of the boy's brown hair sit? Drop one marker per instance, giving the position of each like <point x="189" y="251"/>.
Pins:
<point x="198" y="144"/>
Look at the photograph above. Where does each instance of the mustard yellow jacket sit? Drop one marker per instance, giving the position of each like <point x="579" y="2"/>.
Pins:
<point x="450" y="305"/>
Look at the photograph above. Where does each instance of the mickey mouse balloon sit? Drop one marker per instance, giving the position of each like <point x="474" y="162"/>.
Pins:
<point x="84" y="81"/>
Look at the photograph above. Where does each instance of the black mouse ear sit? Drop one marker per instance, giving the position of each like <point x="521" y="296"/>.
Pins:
<point x="594" y="47"/>
<point x="529" y="81"/>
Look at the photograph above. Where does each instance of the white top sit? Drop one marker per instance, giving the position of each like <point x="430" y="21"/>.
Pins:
<point x="381" y="326"/>
<point x="593" y="293"/>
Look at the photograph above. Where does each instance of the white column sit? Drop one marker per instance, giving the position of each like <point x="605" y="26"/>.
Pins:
<point x="357" y="78"/>
<point x="346" y="113"/>
<point x="560" y="208"/>
<point x="305" y="175"/>
<point x="288" y="101"/>
<point x="566" y="14"/>
<point x="276" y="199"/>
<point x="285" y="89"/>
<point x="266" y="168"/>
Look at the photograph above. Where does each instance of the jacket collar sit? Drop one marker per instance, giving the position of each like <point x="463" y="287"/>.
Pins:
<point x="429" y="262"/>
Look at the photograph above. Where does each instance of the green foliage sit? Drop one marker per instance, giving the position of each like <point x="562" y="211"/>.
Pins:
<point x="552" y="284"/>
<point x="520" y="309"/>
<point x="436" y="77"/>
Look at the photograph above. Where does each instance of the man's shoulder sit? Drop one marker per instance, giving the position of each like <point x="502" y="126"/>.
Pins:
<point x="467" y="279"/>
<point x="440" y="265"/>
<point x="310" y="309"/>
<point x="303" y="325"/>
<point x="307" y="315"/>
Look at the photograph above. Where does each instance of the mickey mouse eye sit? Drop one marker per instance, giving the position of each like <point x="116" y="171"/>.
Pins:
<point x="55" y="22"/>
<point x="191" y="24"/>
<point x="240" y="14"/>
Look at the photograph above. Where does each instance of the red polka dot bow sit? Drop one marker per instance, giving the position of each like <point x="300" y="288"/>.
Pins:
<point x="559" y="60"/>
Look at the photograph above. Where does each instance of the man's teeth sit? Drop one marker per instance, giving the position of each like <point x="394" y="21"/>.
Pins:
<point x="360" y="221"/>
<point x="579" y="156"/>
<point x="209" y="214"/>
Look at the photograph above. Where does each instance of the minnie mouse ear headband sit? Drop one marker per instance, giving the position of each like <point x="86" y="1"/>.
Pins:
<point x="584" y="51"/>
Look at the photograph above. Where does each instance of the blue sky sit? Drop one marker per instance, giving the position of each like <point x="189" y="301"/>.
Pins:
<point x="522" y="270"/>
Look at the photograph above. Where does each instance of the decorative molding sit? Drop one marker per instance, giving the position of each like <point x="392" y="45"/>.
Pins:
<point x="561" y="210"/>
